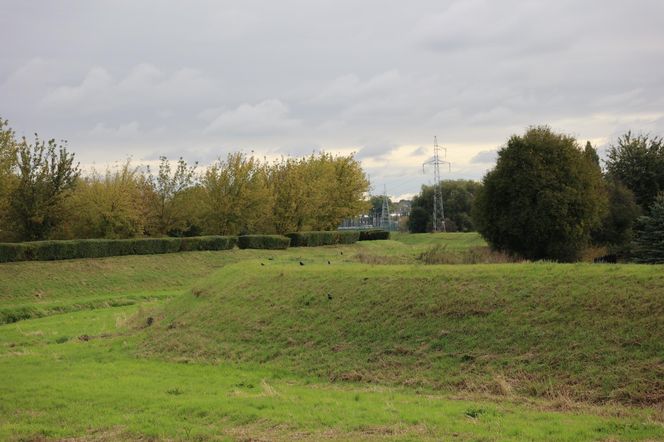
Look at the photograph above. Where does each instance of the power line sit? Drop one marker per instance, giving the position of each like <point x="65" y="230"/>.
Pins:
<point x="438" y="211"/>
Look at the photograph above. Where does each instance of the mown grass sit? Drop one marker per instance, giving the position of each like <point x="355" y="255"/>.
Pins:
<point x="587" y="332"/>
<point x="96" y="389"/>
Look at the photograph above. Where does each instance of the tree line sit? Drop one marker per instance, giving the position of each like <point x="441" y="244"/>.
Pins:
<point x="550" y="198"/>
<point x="45" y="195"/>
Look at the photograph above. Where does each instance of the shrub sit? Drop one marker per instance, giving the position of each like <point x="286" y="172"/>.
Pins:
<point x="273" y="242"/>
<point x="374" y="234"/>
<point x="324" y="238"/>
<point x="98" y="248"/>
<point x="649" y="242"/>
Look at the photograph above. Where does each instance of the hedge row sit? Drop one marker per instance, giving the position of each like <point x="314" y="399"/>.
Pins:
<point x="97" y="248"/>
<point x="374" y="234"/>
<point x="314" y="239"/>
<point x="273" y="242"/>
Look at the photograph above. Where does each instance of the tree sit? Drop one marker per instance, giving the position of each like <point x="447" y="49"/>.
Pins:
<point x="638" y="162"/>
<point x="649" y="242"/>
<point x="237" y="196"/>
<point x="616" y="229"/>
<point x="108" y="205"/>
<point x="542" y="199"/>
<point x="7" y="178"/>
<point x="170" y="211"/>
<point x="419" y="220"/>
<point x="458" y="197"/>
<point x="46" y="175"/>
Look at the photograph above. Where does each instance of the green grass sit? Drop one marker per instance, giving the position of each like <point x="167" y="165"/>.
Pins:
<point x="587" y="332"/>
<point x="401" y="352"/>
<point x="96" y="389"/>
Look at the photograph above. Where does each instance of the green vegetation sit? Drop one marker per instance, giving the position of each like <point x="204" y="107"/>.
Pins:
<point x="458" y="197"/>
<point x="586" y="332"/>
<point x="543" y="199"/>
<point x="274" y="242"/>
<point x="412" y="352"/>
<point x="373" y="235"/>
<point x="325" y="238"/>
<point x="96" y="248"/>
<point x="649" y="243"/>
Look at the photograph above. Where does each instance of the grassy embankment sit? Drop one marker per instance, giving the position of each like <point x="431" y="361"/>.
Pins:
<point x="487" y="352"/>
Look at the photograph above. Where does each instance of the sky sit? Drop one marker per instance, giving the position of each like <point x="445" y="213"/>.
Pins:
<point x="199" y="79"/>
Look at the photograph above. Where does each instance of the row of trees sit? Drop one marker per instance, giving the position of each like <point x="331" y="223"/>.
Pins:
<point x="458" y="197"/>
<point x="44" y="194"/>
<point x="548" y="198"/>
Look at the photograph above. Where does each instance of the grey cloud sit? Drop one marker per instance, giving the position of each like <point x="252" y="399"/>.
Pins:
<point x="485" y="157"/>
<point x="122" y="78"/>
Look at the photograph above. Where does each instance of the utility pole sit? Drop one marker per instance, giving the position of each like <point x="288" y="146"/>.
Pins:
<point x="438" y="211"/>
<point x="385" y="212"/>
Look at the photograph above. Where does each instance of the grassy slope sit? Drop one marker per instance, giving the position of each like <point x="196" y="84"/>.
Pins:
<point x="36" y="289"/>
<point x="53" y="385"/>
<point x="583" y="331"/>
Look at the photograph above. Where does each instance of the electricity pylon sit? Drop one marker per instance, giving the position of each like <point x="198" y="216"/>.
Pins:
<point x="438" y="210"/>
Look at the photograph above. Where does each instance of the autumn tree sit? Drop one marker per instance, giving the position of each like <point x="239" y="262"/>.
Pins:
<point x="169" y="198"/>
<point x="108" y="205"/>
<point x="7" y="178"/>
<point x="237" y="196"/>
<point x="46" y="175"/>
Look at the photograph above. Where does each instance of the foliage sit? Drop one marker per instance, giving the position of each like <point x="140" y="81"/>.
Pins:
<point x="96" y="248"/>
<point x="458" y="197"/>
<point x="649" y="241"/>
<point x="170" y="198"/>
<point x="107" y="206"/>
<point x="46" y="175"/>
<point x="543" y="198"/>
<point x="373" y="234"/>
<point x="316" y="192"/>
<point x="323" y="238"/>
<point x="7" y="179"/>
<point x="419" y="220"/>
<point x="274" y="242"/>
<point x="616" y="230"/>
<point x="237" y="196"/>
<point x="638" y="162"/>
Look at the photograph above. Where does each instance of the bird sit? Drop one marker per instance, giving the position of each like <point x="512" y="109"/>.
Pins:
<point x="329" y="296"/>
<point x="341" y="253"/>
<point x="270" y="258"/>
<point x="262" y="264"/>
<point x="301" y="263"/>
<point x="329" y="262"/>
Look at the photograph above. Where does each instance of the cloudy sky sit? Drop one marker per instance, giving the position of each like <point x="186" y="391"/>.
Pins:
<point x="141" y="79"/>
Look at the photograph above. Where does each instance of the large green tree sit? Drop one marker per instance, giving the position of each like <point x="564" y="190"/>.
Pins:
<point x="542" y="199"/>
<point x="638" y="162"/>
<point x="46" y="174"/>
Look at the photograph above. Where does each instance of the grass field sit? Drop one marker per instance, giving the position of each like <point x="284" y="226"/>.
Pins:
<point x="247" y="345"/>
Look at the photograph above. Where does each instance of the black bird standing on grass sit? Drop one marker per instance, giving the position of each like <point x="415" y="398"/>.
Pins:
<point x="329" y="262"/>
<point x="301" y="263"/>
<point x="329" y="296"/>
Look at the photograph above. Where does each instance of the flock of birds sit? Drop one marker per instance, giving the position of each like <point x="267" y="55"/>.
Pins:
<point x="329" y="295"/>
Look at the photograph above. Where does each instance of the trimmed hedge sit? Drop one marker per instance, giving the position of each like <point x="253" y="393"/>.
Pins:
<point x="374" y="234"/>
<point x="273" y="242"/>
<point x="97" y="248"/>
<point x="314" y="239"/>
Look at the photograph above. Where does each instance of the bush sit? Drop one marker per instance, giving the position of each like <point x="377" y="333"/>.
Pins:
<point x="326" y="238"/>
<point x="273" y="242"/>
<point x="374" y="234"/>
<point x="97" y="248"/>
